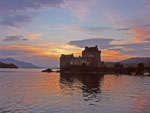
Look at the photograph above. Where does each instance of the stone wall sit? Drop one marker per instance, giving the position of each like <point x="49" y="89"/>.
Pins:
<point x="82" y="61"/>
<point x="66" y="60"/>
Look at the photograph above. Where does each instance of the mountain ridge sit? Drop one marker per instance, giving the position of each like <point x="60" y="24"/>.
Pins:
<point x="4" y="65"/>
<point x="131" y="62"/>
<point x="18" y="63"/>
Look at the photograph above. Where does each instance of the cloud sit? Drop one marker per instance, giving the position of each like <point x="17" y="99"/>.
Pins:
<point x="11" y="53"/>
<point x="12" y="6"/>
<point x="91" y="30"/>
<point x="138" y="46"/>
<point x="135" y="49"/>
<point x="28" y="57"/>
<point x="43" y="49"/>
<point x="50" y="52"/>
<point x="132" y="27"/>
<point x="46" y="54"/>
<point x="102" y="43"/>
<point x="123" y="29"/>
<point x="146" y="26"/>
<point x="113" y="16"/>
<point x="16" y="20"/>
<point x="115" y="51"/>
<point x="147" y="39"/>
<point x="79" y="8"/>
<point x="12" y="11"/>
<point x="141" y="34"/>
<point x="114" y="55"/>
<point x="147" y="3"/>
<point x="34" y="36"/>
<point x="14" y="38"/>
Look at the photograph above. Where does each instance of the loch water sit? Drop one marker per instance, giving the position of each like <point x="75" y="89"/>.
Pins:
<point x="31" y="91"/>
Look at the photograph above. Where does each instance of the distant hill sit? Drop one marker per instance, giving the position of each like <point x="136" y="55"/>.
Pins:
<point x="4" y="65"/>
<point x="131" y="62"/>
<point x="20" y="64"/>
<point x="136" y="60"/>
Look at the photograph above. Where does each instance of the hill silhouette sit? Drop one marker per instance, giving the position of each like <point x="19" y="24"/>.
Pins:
<point x="131" y="62"/>
<point x="20" y="64"/>
<point x="4" y="65"/>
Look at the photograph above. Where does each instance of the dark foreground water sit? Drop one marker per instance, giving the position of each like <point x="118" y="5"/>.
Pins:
<point x="30" y="91"/>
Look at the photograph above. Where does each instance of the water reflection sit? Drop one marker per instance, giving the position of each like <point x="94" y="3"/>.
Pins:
<point x="30" y="91"/>
<point x="90" y="84"/>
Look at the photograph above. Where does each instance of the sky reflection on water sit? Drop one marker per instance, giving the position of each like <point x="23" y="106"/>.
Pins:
<point x="26" y="90"/>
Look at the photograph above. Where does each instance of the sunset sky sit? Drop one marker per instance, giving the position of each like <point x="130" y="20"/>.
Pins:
<point x="39" y="31"/>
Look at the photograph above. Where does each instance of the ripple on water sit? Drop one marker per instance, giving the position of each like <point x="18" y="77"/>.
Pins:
<point x="29" y="90"/>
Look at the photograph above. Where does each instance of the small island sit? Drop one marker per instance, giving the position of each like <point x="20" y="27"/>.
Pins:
<point x="4" y="65"/>
<point x="47" y="70"/>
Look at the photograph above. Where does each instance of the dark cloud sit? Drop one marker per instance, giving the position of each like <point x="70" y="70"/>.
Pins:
<point x="15" y="20"/>
<point x="123" y="29"/>
<point x="12" y="6"/>
<point x="102" y="43"/>
<point x="137" y="49"/>
<point x="147" y="39"/>
<point x="137" y="46"/>
<point x="11" y="11"/>
<point x="24" y="39"/>
<point x="97" y="29"/>
<point x="129" y="28"/>
<point x="146" y="26"/>
<point x="14" y="38"/>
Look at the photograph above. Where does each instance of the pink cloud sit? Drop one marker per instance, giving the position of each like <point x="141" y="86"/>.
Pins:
<point x="141" y="34"/>
<point x="34" y="36"/>
<point x="147" y="3"/>
<point x="79" y="8"/>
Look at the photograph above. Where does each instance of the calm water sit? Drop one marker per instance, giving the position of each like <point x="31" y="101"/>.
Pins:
<point x="30" y="91"/>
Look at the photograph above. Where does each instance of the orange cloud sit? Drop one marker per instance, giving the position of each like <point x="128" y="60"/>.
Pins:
<point x="34" y="36"/>
<point x="52" y="50"/>
<point x="141" y="34"/>
<point x="112" y="55"/>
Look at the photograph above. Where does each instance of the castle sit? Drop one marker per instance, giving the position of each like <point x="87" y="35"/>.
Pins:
<point x="91" y="57"/>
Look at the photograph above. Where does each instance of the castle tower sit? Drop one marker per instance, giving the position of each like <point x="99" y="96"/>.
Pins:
<point x="92" y="52"/>
<point x="66" y="60"/>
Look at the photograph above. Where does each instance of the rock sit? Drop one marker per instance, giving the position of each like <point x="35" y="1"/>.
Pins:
<point x="47" y="70"/>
